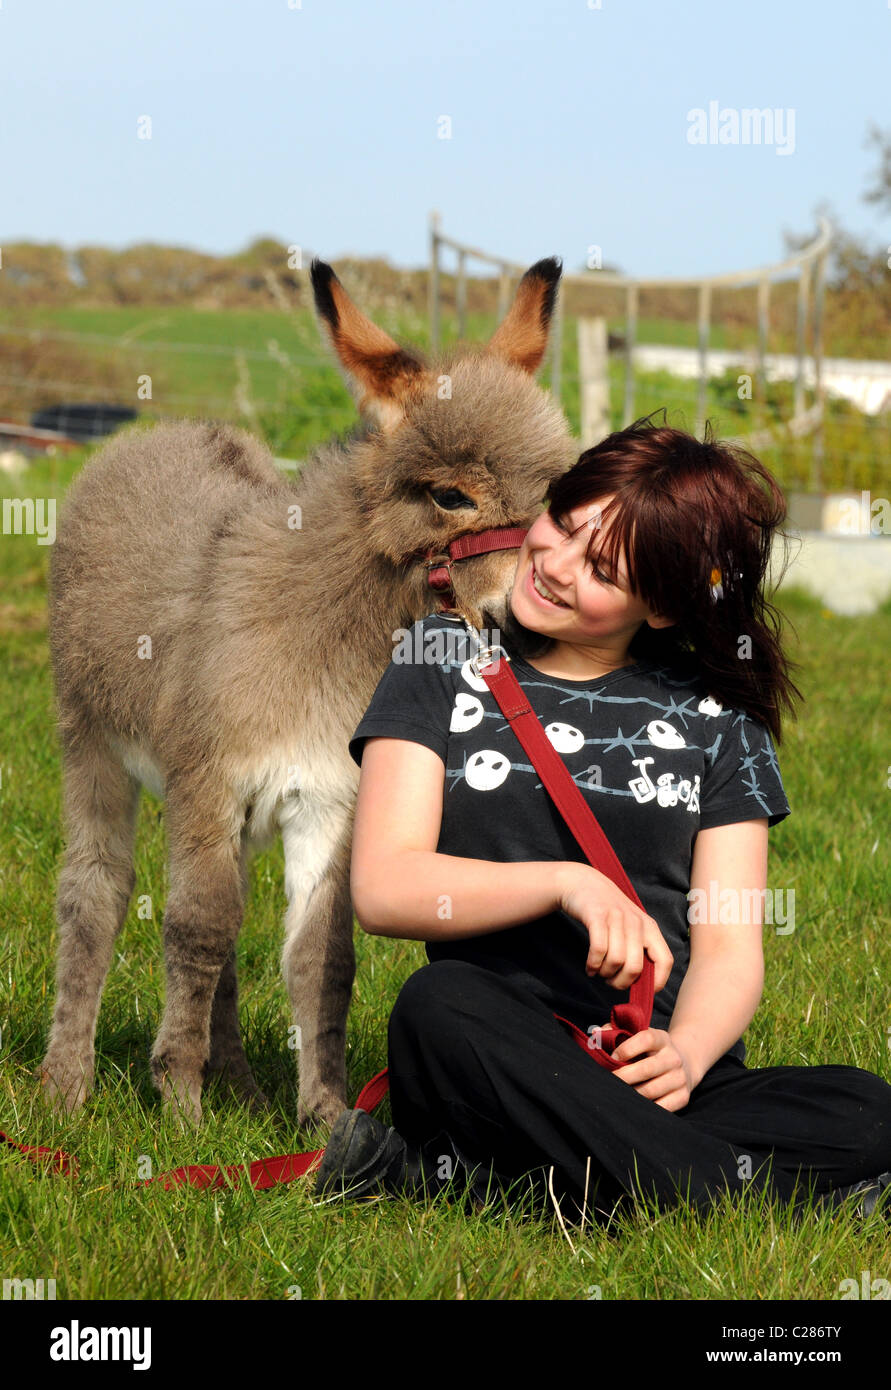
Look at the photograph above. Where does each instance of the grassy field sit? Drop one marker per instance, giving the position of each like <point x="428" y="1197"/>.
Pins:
<point x="268" y="370"/>
<point x="827" y="999"/>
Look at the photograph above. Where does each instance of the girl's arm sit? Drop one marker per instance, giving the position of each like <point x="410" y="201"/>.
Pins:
<point x="401" y="886"/>
<point x="722" y="987"/>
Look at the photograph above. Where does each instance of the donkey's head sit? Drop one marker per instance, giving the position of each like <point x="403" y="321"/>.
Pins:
<point x="452" y="447"/>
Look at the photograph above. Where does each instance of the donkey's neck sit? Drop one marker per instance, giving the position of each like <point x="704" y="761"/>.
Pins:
<point x="317" y="583"/>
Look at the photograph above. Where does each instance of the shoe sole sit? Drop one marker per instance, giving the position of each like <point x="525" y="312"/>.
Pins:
<point x="878" y="1198"/>
<point x="335" y="1153"/>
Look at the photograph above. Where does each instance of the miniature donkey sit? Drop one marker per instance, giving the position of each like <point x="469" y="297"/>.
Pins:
<point x="217" y="631"/>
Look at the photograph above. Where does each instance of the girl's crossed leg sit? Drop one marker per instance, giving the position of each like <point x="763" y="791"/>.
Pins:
<point x="474" y="1054"/>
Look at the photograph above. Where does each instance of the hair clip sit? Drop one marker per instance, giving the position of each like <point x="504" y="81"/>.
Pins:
<point x="716" y="586"/>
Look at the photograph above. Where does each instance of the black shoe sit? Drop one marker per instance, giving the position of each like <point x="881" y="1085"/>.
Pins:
<point x="871" y="1191"/>
<point x="363" y="1157"/>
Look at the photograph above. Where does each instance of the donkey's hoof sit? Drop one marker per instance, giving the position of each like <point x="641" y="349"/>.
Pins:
<point x="65" y="1083"/>
<point x="245" y="1089"/>
<point x="324" y="1110"/>
<point x="180" y="1097"/>
<point x="182" y="1107"/>
<point x="240" y="1086"/>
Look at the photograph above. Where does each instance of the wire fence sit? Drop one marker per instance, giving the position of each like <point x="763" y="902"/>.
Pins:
<point x="807" y="266"/>
<point x="285" y="377"/>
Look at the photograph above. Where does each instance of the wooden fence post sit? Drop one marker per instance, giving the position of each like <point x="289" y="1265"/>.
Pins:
<point x="593" y="380"/>
<point x="804" y="284"/>
<point x="557" y="348"/>
<point x="761" y="411"/>
<point x="461" y="295"/>
<point x="704" y="317"/>
<point x="819" y="388"/>
<point x="630" y="338"/>
<point x="433" y="284"/>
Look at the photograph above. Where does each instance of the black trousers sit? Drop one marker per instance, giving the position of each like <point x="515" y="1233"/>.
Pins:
<point x="475" y="1056"/>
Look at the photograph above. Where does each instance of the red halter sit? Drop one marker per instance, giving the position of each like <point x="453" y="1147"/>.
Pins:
<point x="439" y="559"/>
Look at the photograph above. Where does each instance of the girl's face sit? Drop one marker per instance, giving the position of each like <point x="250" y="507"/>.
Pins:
<point x="595" y="604"/>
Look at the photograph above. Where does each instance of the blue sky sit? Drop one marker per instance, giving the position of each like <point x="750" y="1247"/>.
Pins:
<point x="318" y="125"/>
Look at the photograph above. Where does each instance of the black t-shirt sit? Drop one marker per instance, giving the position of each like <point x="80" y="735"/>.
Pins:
<point x="654" y="755"/>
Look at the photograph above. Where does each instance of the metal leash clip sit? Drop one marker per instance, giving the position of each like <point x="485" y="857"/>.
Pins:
<point x="485" y="658"/>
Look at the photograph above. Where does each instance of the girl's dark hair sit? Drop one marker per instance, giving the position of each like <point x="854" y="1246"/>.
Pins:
<point x="680" y="510"/>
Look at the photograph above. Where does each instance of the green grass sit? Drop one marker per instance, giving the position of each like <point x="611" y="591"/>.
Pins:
<point x="827" y="999"/>
<point x="298" y="398"/>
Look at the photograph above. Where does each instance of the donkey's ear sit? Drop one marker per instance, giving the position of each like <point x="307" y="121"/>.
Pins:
<point x="378" y="372"/>
<point x="522" y="335"/>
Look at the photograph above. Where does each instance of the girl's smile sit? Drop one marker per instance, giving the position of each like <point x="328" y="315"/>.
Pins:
<point x="541" y="591"/>
<point x="555" y="582"/>
<point x="590" y="615"/>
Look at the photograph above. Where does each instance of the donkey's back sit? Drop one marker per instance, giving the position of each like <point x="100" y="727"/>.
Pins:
<point x="132" y="565"/>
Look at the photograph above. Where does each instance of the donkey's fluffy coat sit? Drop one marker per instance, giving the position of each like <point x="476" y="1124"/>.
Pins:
<point x="217" y="631"/>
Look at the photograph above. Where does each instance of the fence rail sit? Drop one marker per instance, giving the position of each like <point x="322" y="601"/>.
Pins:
<point x="807" y="265"/>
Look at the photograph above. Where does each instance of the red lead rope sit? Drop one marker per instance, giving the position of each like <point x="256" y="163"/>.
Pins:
<point x="61" y="1162"/>
<point x="627" y="1019"/>
<point x="633" y="1017"/>
<point x="263" y="1172"/>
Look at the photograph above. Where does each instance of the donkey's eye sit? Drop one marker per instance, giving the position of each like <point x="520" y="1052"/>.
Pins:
<point x="451" y="498"/>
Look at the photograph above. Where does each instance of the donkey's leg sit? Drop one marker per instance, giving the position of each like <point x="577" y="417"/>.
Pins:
<point x="319" y="960"/>
<point x="202" y="918"/>
<point x="95" y="884"/>
<point x="227" y="1063"/>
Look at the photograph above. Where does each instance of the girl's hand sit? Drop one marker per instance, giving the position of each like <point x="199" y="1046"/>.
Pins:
<point x="619" y="931"/>
<point x="665" y="1074"/>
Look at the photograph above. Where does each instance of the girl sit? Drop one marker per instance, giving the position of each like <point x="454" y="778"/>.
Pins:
<point x="640" y="632"/>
